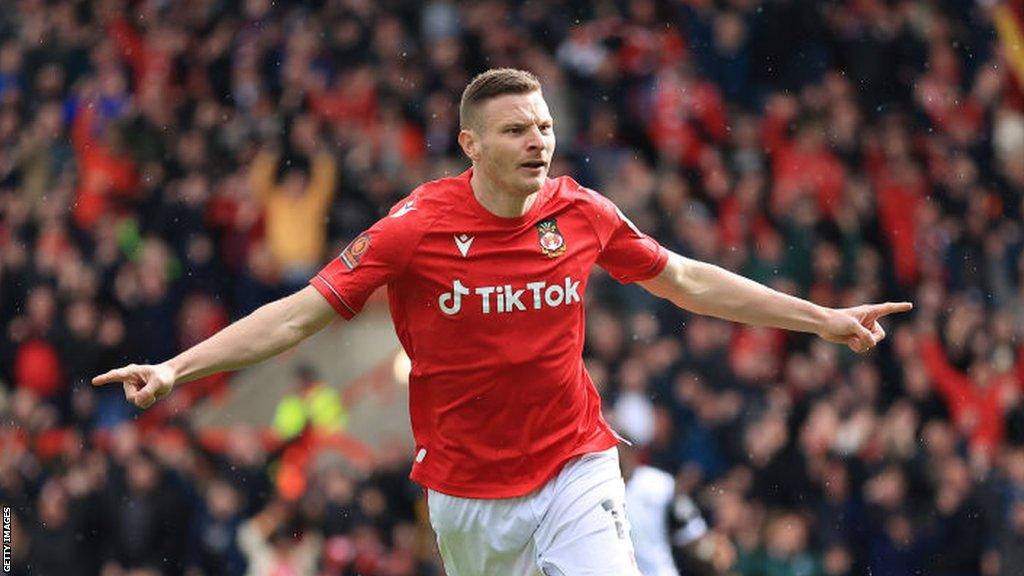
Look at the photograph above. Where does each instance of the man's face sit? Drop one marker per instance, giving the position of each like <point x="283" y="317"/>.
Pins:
<point x="512" y="142"/>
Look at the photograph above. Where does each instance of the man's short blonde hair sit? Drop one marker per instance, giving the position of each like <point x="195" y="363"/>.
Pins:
<point x="491" y="84"/>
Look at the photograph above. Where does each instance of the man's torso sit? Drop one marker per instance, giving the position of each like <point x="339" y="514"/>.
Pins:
<point x="490" y="311"/>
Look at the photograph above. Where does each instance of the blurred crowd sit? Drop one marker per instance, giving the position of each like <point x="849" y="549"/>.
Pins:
<point x="166" y="167"/>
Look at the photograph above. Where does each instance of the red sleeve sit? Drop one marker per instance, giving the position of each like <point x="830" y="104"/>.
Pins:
<point x="774" y="132"/>
<point x="954" y="386"/>
<point x="129" y="42"/>
<point x="712" y="113"/>
<point x="627" y="254"/>
<point x="81" y="129"/>
<point x="1019" y="368"/>
<point x="372" y="259"/>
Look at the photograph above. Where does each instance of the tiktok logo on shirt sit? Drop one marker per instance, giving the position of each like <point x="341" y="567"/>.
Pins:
<point x="506" y="298"/>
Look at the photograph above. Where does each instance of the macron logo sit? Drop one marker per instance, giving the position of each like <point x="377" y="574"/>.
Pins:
<point x="506" y="298"/>
<point x="405" y="209"/>
<point x="463" y="242"/>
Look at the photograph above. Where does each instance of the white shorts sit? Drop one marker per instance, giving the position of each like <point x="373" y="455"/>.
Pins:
<point x="574" y="525"/>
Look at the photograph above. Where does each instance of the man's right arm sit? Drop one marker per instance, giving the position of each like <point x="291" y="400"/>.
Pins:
<point x="261" y="174"/>
<point x="270" y="330"/>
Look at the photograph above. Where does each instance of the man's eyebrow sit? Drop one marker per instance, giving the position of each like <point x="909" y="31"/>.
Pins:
<point x="522" y="123"/>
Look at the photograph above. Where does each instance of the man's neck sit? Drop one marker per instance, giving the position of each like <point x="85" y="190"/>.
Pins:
<point x="501" y="204"/>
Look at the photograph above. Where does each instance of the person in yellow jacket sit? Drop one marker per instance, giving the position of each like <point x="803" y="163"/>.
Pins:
<point x="296" y="193"/>
<point x="314" y="404"/>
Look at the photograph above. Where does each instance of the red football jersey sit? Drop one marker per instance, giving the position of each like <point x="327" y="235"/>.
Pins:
<point x="490" y="311"/>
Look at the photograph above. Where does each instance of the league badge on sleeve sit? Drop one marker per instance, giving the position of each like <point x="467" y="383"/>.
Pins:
<point x="552" y="244"/>
<point x="352" y="253"/>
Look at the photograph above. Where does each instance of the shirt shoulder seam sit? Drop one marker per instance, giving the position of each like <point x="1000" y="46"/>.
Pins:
<point x="421" y="233"/>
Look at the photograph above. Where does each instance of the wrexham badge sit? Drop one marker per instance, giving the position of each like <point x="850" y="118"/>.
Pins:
<point x="552" y="244"/>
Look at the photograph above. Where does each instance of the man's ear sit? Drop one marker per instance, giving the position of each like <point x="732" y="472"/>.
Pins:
<point x="470" y="143"/>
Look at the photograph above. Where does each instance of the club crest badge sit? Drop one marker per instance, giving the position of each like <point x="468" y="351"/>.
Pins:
<point x="552" y="243"/>
<point x="352" y="253"/>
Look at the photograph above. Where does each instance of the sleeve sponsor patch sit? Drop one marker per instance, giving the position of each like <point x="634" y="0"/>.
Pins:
<point x="352" y="253"/>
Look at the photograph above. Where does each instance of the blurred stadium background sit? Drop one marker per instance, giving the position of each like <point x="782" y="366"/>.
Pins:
<point x="168" y="166"/>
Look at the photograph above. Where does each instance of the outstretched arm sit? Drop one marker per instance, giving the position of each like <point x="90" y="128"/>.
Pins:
<point x="270" y="330"/>
<point x="707" y="289"/>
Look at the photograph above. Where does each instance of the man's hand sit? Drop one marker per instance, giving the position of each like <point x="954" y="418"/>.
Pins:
<point x="858" y="327"/>
<point x="144" y="384"/>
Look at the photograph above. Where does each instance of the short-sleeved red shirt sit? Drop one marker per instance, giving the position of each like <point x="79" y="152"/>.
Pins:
<point x="490" y="311"/>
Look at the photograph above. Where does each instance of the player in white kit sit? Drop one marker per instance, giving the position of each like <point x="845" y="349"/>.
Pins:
<point x="663" y="519"/>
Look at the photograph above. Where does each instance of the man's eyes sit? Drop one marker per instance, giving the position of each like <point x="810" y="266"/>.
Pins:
<point x="520" y="129"/>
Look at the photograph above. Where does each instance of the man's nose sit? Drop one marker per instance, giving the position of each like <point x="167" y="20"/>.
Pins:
<point x="534" y="139"/>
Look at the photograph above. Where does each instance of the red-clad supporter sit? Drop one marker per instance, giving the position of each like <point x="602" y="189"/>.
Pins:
<point x="108" y="176"/>
<point x="149" y="53"/>
<point x="350" y="103"/>
<point x="802" y="163"/>
<point x="976" y="401"/>
<point x="686" y="114"/>
<point x="900" y="187"/>
<point x="37" y="368"/>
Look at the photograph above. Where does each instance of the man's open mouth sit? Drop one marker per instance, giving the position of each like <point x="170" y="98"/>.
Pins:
<point x="534" y="164"/>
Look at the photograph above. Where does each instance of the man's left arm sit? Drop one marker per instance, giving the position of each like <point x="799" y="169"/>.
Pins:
<point x="324" y="177"/>
<point x="710" y="290"/>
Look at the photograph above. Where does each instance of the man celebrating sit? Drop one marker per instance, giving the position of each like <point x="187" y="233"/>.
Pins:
<point x="486" y="275"/>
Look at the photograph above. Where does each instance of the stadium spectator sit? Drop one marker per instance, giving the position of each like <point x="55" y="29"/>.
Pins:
<point x="275" y="542"/>
<point x="296" y="203"/>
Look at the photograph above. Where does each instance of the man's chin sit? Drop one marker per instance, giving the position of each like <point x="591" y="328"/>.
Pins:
<point x="532" y="184"/>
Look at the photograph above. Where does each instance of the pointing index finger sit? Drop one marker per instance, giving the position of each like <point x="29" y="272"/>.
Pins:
<point x="879" y="310"/>
<point x="116" y="375"/>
